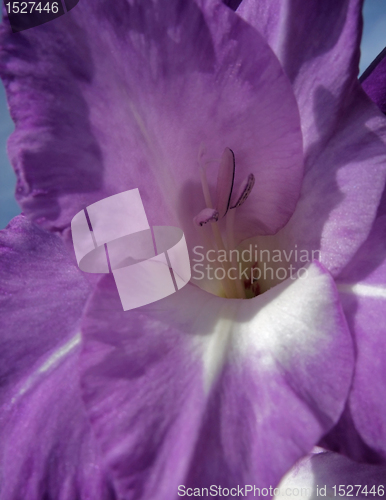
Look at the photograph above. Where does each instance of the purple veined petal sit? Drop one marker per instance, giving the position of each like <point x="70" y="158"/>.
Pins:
<point x="40" y="286"/>
<point x="122" y="95"/>
<point x="225" y="181"/>
<point x="344" y="198"/>
<point x="344" y="135"/>
<point x="197" y="390"/>
<point x="362" y="287"/>
<point x="341" y="192"/>
<point x="374" y="81"/>
<point x="322" y="473"/>
<point x="318" y="46"/>
<point x="46" y="446"/>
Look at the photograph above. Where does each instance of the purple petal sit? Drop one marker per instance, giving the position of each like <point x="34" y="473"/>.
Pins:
<point x="198" y="390"/>
<point x="332" y="475"/>
<point x="374" y="81"/>
<point x="317" y="43"/>
<point x="344" y="135"/>
<point x="40" y="286"/>
<point x="342" y="190"/>
<point x="363" y="294"/>
<point x="47" y="449"/>
<point x="120" y="95"/>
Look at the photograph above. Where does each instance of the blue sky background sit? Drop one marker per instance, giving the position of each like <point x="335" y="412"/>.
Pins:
<point x="374" y="40"/>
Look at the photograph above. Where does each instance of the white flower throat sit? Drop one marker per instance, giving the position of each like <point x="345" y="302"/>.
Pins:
<point x="253" y="266"/>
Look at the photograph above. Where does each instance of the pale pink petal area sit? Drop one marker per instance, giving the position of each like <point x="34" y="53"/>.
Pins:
<point x="197" y="390"/>
<point x="121" y="95"/>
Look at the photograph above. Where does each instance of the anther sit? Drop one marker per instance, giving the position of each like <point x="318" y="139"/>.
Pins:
<point x="205" y="216"/>
<point x="225" y="180"/>
<point x="244" y="192"/>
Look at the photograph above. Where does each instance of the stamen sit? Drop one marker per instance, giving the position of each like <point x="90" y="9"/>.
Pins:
<point x="225" y="180"/>
<point x="205" y="188"/>
<point x="206" y="215"/>
<point x="233" y="288"/>
<point x="244" y="192"/>
<point x="231" y="245"/>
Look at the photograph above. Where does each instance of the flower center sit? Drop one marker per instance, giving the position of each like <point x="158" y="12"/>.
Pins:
<point x="230" y="271"/>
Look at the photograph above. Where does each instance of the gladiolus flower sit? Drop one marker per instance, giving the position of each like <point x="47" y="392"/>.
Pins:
<point x="246" y="128"/>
